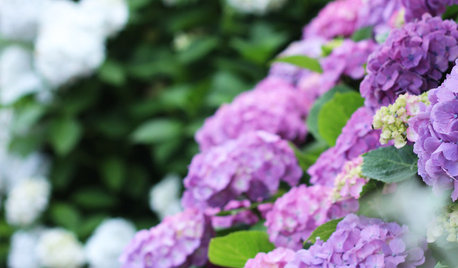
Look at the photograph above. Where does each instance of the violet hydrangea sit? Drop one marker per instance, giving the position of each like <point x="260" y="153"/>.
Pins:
<point x="277" y="258"/>
<point x="180" y="240"/>
<point x="273" y="106"/>
<point x="416" y="8"/>
<point x="296" y="214"/>
<point x="413" y="59"/>
<point x="251" y="166"/>
<point x="435" y="132"/>
<point x="361" y="242"/>
<point x="357" y="137"/>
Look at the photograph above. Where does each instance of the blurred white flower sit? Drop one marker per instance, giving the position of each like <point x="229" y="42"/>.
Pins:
<point x="19" y="18"/>
<point x="18" y="77"/>
<point x="69" y="44"/>
<point x="111" y="14"/>
<point x="258" y="7"/>
<point x="26" y="201"/>
<point x="165" y="196"/>
<point x="59" y="248"/>
<point x="108" y="242"/>
<point x="22" y="253"/>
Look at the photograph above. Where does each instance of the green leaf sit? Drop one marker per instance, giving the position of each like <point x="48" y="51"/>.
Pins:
<point x="112" y="73"/>
<point x="440" y="265"/>
<point x="94" y="199"/>
<point x="90" y="223"/>
<point x="312" y="119"/>
<point x="389" y="164"/>
<point x="198" y="49"/>
<point x="327" y="48"/>
<point x="335" y="113"/>
<point x="324" y="231"/>
<point x="302" y="61"/>
<point x="65" y="215"/>
<point x="113" y="173"/>
<point x="157" y="130"/>
<point x="65" y="134"/>
<point x="362" y="34"/>
<point x="235" y="249"/>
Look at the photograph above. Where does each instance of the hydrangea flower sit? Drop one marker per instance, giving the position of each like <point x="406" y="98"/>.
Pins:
<point x="277" y="258"/>
<point x="381" y="14"/>
<point x="19" y="18"/>
<point x="350" y="181"/>
<point x="259" y="7"/>
<point x="27" y="201"/>
<point x="393" y="119"/>
<point x="338" y="18"/>
<point x="180" y="240"/>
<point x="252" y="166"/>
<point x="416" y="8"/>
<point x="435" y="132"/>
<point x="59" y="248"/>
<point x="22" y="251"/>
<point x="413" y="59"/>
<point x="445" y="225"/>
<point x="165" y="196"/>
<point x="296" y="214"/>
<point x="361" y="242"/>
<point x="107" y="242"/>
<point x="357" y="138"/>
<point x="245" y="216"/>
<point x="273" y="106"/>
<point x="111" y="15"/>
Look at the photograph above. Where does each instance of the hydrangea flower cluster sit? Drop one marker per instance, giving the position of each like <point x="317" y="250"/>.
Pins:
<point x="259" y="7"/>
<point x="416" y="8"/>
<point x="277" y="258"/>
<point x="445" y="226"/>
<point x="107" y="242"/>
<point x="59" y="248"/>
<point x="357" y="137"/>
<point x="27" y="201"/>
<point x="296" y="214"/>
<point x="435" y="132"/>
<point x="350" y="181"/>
<point x="393" y="119"/>
<point x="361" y="242"/>
<point x="413" y="59"/>
<point x="165" y="196"/>
<point x="273" y="106"/>
<point x="382" y="14"/>
<point x="22" y="251"/>
<point x="253" y="165"/>
<point x="180" y="240"/>
<point x="241" y="215"/>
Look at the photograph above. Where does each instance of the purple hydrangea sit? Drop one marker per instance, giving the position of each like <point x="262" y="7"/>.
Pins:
<point x="252" y="165"/>
<point x="180" y="240"/>
<point x="273" y="106"/>
<point x="435" y="131"/>
<point x="416" y="8"/>
<point x="277" y="258"/>
<point x="296" y="214"/>
<point x="381" y="14"/>
<point x="357" y="137"/>
<point x="338" y="18"/>
<point x="413" y="59"/>
<point x="309" y="47"/>
<point x="361" y="242"/>
<point x="348" y="59"/>
<point x="246" y="216"/>
<point x="349" y="182"/>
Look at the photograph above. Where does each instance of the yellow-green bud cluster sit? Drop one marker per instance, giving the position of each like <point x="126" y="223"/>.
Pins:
<point x="444" y="226"/>
<point x="392" y="119"/>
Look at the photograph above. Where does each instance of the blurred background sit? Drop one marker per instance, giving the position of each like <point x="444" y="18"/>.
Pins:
<point x="102" y="111"/>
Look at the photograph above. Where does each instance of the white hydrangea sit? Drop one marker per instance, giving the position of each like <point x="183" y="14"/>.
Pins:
<point x="22" y="253"/>
<point x="107" y="243"/>
<point x="18" y="77"/>
<point x="165" y="196"/>
<point x="69" y="44"/>
<point x="112" y="15"/>
<point x="258" y="7"/>
<point x="19" y="18"/>
<point x="59" y="248"/>
<point x="26" y="201"/>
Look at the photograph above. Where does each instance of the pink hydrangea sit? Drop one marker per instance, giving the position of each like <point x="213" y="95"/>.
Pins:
<point x="435" y="132"/>
<point x="338" y="18"/>
<point x="296" y="214"/>
<point x="381" y="14"/>
<point x="178" y="241"/>
<point x="416" y="8"/>
<point x="245" y="216"/>
<point x="277" y="258"/>
<point x="361" y="242"/>
<point x="350" y="181"/>
<point x="357" y="137"/>
<point x="273" y="106"/>
<point x="251" y="166"/>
